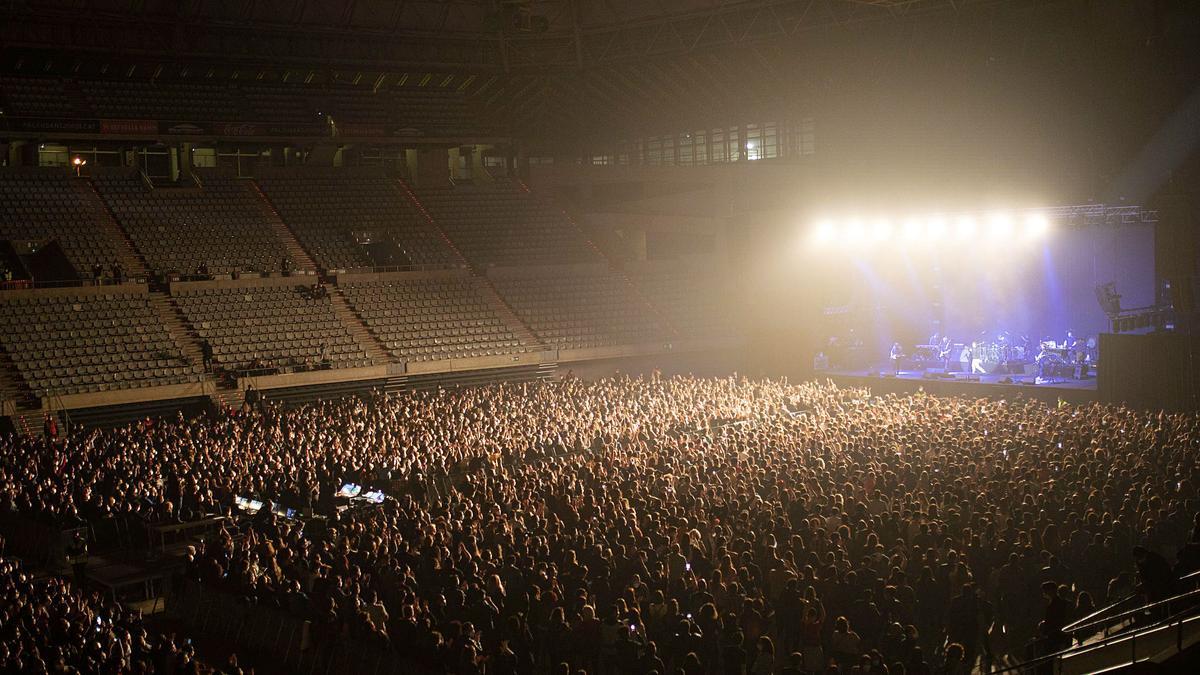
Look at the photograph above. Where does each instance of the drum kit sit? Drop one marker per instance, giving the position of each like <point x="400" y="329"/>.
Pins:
<point x="1003" y="347"/>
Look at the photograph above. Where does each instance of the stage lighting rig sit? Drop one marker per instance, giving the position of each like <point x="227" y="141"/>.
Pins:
<point x="944" y="228"/>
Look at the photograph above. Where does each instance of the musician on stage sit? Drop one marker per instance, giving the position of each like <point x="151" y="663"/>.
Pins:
<point x="895" y="356"/>
<point x="977" y="359"/>
<point x="1079" y="358"/>
<point x="1043" y="362"/>
<point x="944" y="353"/>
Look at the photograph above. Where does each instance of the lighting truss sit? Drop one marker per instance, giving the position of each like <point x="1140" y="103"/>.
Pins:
<point x="1087" y="215"/>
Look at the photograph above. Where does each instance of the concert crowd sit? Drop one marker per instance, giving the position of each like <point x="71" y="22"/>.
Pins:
<point x="656" y="525"/>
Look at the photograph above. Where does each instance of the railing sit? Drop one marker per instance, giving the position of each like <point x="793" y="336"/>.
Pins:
<point x="54" y="397"/>
<point x="26" y="284"/>
<point x="381" y="269"/>
<point x="1094" y="619"/>
<point x="1053" y="663"/>
<point x="1170" y="612"/>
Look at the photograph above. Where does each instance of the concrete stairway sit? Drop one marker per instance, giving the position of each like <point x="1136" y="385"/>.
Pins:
<point x="502" y="309"/>
<point x="650" y="307"/>
<point x="295" y="250"/>
<point x="229" y="398"/>
<point x="29" y="423"/>
<point x="183" y="334"/>
<point x="520" y="186"/>
<point x="407" y="193"/>
<point x="131" y="260"/>
<point x="13" y="386"/>
<point x="346" y="314"/>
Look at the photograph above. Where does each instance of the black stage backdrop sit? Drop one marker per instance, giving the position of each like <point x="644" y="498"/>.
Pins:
<point x="1151" y="371"/>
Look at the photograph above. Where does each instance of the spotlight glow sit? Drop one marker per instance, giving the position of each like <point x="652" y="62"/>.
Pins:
<point x="965" y="226"/>
<point x="882" y="230"/>
<point x="913" y="229"/>
<point x="935" y="228"/>
<point x="1000" y="225"/>
<point x="855" y="232"/>
<point x="1036" y="225"/>
<point x="825" y="232"/>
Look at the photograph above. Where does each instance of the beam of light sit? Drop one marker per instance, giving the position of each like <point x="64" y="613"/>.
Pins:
<point x="1000" y="224"/>
<point x="1036" y="225"/>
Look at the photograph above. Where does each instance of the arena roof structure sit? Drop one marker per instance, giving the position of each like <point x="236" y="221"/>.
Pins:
<point x="502" y="35"/>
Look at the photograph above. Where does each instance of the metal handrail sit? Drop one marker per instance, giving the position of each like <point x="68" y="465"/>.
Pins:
<point x="1087" y="622"/>
<point x="1177" y="618"/>
<point x="380" y="269"/>
<point x="1194" y="593"/>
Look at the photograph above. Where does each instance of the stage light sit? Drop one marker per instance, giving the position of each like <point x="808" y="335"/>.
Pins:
<point x="935" y="228"/>
<point x="882" y="230"/>
<point x="1036" y="225"/>
<point x="964" y="226"/>
<point x="913" y="229"/>
<point x="1000" y="224"/>
<point x="825" y="232"/>
<point x="855" y="232"/>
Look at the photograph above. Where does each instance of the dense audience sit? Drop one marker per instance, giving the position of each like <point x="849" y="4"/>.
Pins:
<point x="49" y="626"/>
<point x="661" y="525"/>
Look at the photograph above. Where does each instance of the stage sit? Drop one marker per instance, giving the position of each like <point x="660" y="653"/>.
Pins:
<point x="883" y="381"/>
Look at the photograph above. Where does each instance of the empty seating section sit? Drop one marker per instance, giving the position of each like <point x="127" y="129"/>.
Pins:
<point x="357" y="106"/>
<point x="279" y="326"/>
<point x="580" y="309"/>
<point x="693" y="299"/>
<point x="428" y="109"/>
<point x="35" y="97"/>
<point x="222" y="225"/>
<point x="431" y="319"/>
<point x="158" y="100"/>
<point x="44" y="205"/>
<point x="85" y="343"/>
<point x="329" y="211"/>
<point x="500" y="225"/>
<point x="279" y="104"/>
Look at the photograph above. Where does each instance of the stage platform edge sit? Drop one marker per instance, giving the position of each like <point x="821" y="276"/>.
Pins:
<point x="987" y="386"/>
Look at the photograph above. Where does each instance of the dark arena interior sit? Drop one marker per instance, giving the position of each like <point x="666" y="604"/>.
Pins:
<point x="599" y="337"/>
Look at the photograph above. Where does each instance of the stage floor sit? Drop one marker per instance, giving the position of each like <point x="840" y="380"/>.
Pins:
<point x="993" y="385"/>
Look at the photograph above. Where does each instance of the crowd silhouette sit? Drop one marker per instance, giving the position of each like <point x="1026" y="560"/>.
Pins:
<point x="639" y="525"/>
